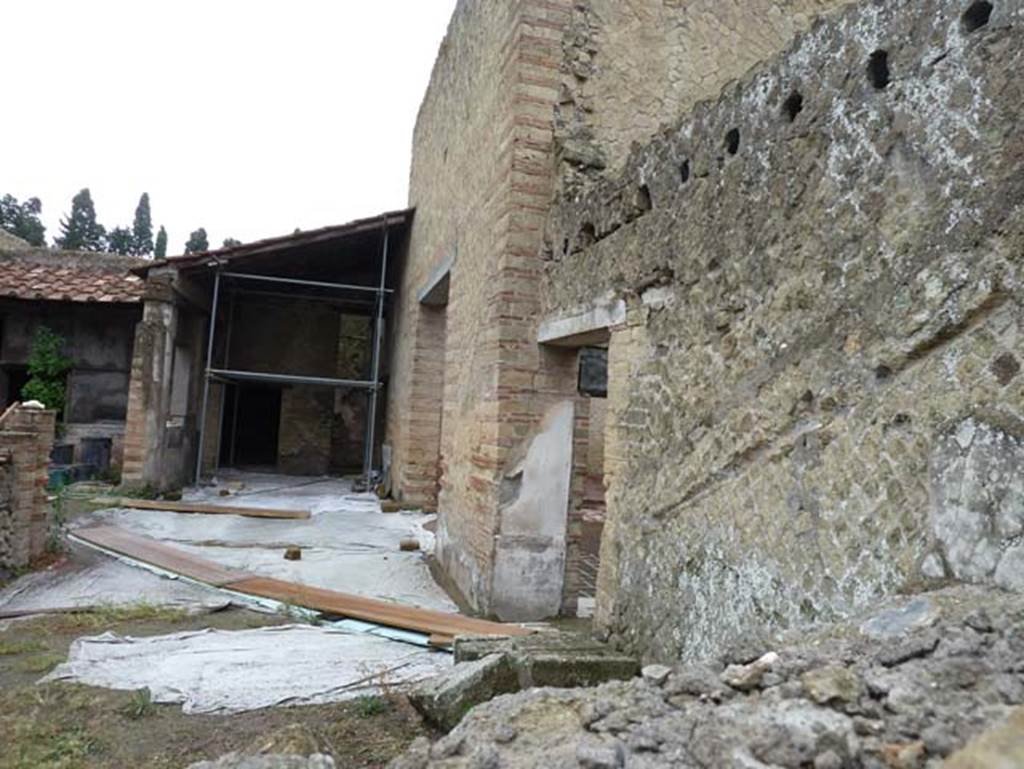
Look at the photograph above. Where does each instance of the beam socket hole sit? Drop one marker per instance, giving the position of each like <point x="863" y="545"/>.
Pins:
<point x="976" y="16"/>
<point x="878" y="70"/>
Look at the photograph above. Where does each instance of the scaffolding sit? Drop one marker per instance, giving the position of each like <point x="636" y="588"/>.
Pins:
<point x="227" y="375"/>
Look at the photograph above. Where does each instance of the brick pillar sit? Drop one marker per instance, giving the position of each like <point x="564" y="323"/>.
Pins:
<point x="26" y="439"/>
<point x="149" y="387"/>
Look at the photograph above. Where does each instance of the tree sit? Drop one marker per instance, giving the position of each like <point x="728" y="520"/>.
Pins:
<point x="120" y="240"/>
<point x="160" y="250"/>
<point x="197" y="242"/>
<point x="142" y="228"/>
<point x="22" y="219"/>
<point x="47" y="370"/>
<point x="80" y="231"/>
<point x="231" y="243"/>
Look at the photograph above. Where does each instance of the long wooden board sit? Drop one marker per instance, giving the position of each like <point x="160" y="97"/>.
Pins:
<point x="158" y="554"/>
<point x="197" y="507"/>
<point x="434" y="623"/>
<point x="372" y="610"/>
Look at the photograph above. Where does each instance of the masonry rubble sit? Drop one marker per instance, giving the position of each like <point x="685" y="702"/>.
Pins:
<point x="920" y="681"/>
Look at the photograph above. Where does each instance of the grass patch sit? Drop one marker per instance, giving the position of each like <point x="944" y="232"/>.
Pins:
<point x="40" y="663"/>
<point x="105" y="616"/>
<point x="139" y="706"/>
<point x="10" y="648"/>
<point x="370" y="706"/>
<point x="61" y="725"/>
<point x="34" y="740"/>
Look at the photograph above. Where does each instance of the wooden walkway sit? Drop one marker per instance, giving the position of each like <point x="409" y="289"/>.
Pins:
<point x="441" y="625"/>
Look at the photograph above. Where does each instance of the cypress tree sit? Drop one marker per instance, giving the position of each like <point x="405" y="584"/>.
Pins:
<point x="142" y="228"/>
<point x="80" y="231"/>
<point x="160" y="250"/>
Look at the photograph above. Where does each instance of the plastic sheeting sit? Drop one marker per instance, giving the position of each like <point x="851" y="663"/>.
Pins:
<point x="348" y="545"/>
<point x="88" y="580"/>
<point x="218" y="671"/>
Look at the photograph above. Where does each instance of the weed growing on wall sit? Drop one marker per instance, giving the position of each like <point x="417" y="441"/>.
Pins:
<point x="47" y="370"/>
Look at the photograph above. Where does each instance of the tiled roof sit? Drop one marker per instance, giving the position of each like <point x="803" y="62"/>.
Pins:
<point x="63" y="276"/>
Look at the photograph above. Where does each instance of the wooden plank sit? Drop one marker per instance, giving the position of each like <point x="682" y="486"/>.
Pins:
<point x="433" y="623"/>
<point x="200" y="508"/>
<point x="371" y="609"/>
<point x="441" y="641"/>
<point x="158" y="554"/>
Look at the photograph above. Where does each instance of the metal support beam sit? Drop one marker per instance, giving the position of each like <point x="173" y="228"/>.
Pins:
<point x="297" y="282"/>
<point x="265" y="376"/>
<point x="344" y="303"/>
<point x="206" y="375"/>
<point x="371" y="420"/>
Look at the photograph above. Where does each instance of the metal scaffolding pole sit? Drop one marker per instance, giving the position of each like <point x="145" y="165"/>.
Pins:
<point x="297" y="282"/>
<point x="228" y="375"/>
<point x="206" y="375"/>
<point x="371" y="420"/>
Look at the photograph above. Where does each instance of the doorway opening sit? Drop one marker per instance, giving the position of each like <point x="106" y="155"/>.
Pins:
<point x="251" y="425"/>
<point x="590" y="503"/>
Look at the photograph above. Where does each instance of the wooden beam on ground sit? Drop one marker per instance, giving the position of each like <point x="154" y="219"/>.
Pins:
<point x="371" y="609"/>
<point x="158" y="554"/>
<point x="200" y="508"/>
<point x="443" y="625"/>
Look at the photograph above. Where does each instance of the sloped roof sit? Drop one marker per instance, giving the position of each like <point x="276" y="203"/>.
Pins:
<point x="69" y="276"/>
<point x="394" y="219"/>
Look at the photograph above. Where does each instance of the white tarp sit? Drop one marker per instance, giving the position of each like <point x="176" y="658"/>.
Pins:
<point x="348" y="545"/>
<point x="88" y="580"/>
<point x="220" y="671"/>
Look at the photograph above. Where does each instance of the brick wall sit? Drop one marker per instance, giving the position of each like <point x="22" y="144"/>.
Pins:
<point x="515" y="84"/>
<point x="481" y="180"/>
<point x="26" y="438"/>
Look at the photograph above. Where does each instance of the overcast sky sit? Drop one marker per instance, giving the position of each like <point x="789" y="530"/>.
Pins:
<point x="247" y="117"/>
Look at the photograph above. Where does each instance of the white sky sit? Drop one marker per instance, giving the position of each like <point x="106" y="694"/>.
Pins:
<point x="247" y="117"/>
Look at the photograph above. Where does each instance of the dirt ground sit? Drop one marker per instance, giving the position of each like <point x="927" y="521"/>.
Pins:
<point x="62" y="726"/>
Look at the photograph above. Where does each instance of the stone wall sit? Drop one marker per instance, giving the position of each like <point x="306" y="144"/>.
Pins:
<point x="815" y="390"/>
<point x="26" y="438"/>
<point x="631" y="68"/>
<point x="469" y="388"/>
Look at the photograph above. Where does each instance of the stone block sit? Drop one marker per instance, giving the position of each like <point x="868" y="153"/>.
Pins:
<point x="569" y="670"/>
<point x="444" y="700"/>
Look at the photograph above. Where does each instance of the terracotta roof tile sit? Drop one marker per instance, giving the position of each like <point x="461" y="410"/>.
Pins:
<point x="62" y="276"/>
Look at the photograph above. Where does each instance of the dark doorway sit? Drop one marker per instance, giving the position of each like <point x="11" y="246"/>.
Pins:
<point x="16" y="378"/>
<point x="252" y="420"/>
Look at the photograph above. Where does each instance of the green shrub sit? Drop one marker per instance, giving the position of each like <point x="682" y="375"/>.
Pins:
<point x="47" y="370"/>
